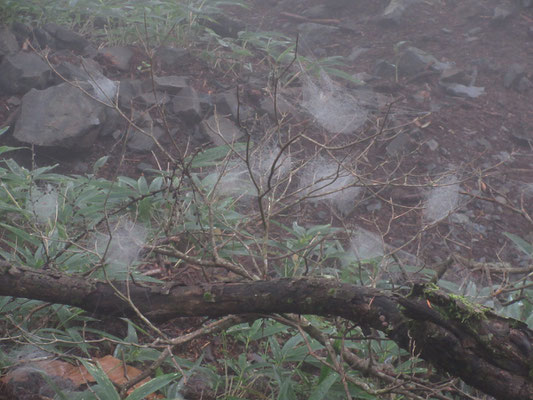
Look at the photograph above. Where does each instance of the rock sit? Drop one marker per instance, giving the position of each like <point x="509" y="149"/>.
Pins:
<point x="485" y="65"/>
<point x="455" y="75"/>
<point x="375" y="206"/>
<point x="456" y="89"/>
<point x="226" y="104"/>
<point x="169" y="84"/>
<point x="141" y="142"/>
<point x="43" y="38"/>
<point x="526" y="3"/>
<point x="412" y="61"/>
<point x="22" y="72"/>
<point x="432" y="144"/>
<point x="385" y="69"/>
<point x="73" y="72"/>
<point x="103" y="88"/>
<point x="169" y="58"/>
<point x="8" y="42"/>
<point x="186" y="105"/>
<point x="21" y="31"/>
<point x="145" y="168"/>
<point x="151" y="99"/>
<point x="467" y="224"/>
<point x="32" y="382"/>
<point x="128" y="90"/>
<point x="501" y="15"/>
<point x="60" y="116"/>
<point x="395" y="10"/>
<point x="474" y="31"/>
<point x="113" y="122"/>
<point x="524" y="84"/>
<point x="356" y="52"/>
<point x="523" y="134"/>
<point x="13" y="101"/>
<point x="221" y="130"/>
<point x="118" y="57"/>
<point x="65" y="38"/>
<point x="501" y="199"/>
<point x="513" y="75"/>
<point x="199" y="386"/>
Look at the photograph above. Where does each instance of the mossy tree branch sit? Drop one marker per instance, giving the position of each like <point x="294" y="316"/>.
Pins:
<point x="489" y="352"/>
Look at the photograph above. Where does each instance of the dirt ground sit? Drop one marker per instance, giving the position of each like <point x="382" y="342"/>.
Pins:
<point x="471" y="132"/>
<point x="484" y="139"/>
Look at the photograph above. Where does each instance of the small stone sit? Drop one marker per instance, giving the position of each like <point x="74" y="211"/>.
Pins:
<point x="139" y="141"/>
<point x="186" y="105"/>
<point x="376" y="206"/>
<point x="23" y="71"/>
<point x="384" y="69"/>
<point x="501" y="15"/>
<point x="13" y="101"/>
<point x="356" y="52"/>
<point x="150" y="99"/>
<point x="119" y="57"/>
<point x="474" y="31"/>
<point x="500" y="199"/>
<point x="65" y="38"/>
<point x="513" y="75"/>
<point x="456" y="89"/>
<point x="432" y="144"/>
<point x="524" y="85"/>
<point x="455" y="75"/>
<point x="170" y="84"/>
<point x="221" y="130"/>
<point x="8" y="42"/>
<point x="413" y="61"/>
<point x="171" y="57"/>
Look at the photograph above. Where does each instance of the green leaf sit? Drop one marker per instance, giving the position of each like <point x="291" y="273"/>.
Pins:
<point x="276" y="350"/>
<point x="152" y="386"/>
<point x="99" y="163"/>
<point x="209" y="157"/>
<point x="520" y="243"/>
<point x="78" y="339"/>
<point x="131" y="337"/>
<point x="291" y="344"/>
<point x="142" y="185"/>
<point x="102" y="379"/>
<point x="156" y="184"/>
<point x="344" y="75"/>
<point x="5" y="149"/>
<point x="323" y="388"/>
<point x="26" y="238"/>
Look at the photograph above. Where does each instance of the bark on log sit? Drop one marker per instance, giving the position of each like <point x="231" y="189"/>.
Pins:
<point x="489" y="352"/>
